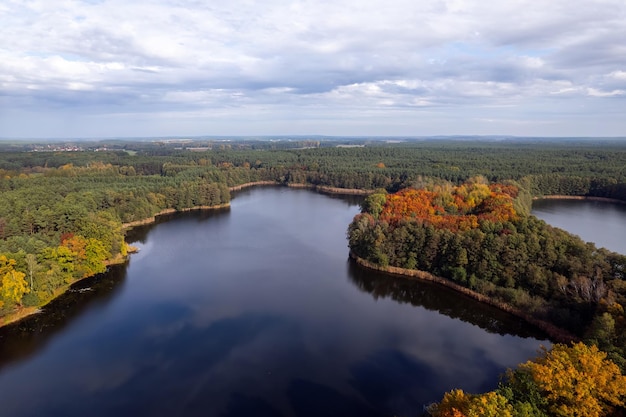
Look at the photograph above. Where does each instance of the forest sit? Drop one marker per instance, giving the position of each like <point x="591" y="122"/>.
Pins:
<point x="480" y="236"/>
<point x="459" y="209"/>
<point x="62" y="212"/>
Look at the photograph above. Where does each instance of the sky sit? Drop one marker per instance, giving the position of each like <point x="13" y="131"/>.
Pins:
<point x="119" y="68"/>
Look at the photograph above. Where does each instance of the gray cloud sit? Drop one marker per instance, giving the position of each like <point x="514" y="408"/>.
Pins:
<point x="400" y="67"/>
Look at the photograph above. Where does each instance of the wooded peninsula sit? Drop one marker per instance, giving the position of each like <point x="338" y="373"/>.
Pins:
<point x="456" y="209"/>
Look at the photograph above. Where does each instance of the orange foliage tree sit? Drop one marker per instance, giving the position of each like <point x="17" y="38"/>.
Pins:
<point x="455" y="208"/>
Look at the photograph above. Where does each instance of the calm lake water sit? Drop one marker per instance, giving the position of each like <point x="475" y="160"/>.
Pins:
<point x="253" y="310"/>
<point x="594" y="221"/>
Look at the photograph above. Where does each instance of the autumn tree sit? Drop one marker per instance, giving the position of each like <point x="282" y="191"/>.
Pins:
<point x="13" y="285"/>
<point x="460" y="404"/>
<point x="87" y="255"/>
<point x="374" y="203"/>
<point x="455" y="208"/>
<point x="31" y="263"/>
<point x="574" y="381"/>
<point x="577" y="380"/>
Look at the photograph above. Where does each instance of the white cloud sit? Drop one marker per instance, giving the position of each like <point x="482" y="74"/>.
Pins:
<point x="598" y="93"/>
<point x="112" y="56"/>
<point x="618" y="75"/>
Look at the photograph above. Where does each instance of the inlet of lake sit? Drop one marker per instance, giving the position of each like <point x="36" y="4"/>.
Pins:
<point x="254" y="310"/>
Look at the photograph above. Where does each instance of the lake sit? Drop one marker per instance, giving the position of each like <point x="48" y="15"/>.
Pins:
<point x="593" y="221"/>
<point x="254" y="310"/>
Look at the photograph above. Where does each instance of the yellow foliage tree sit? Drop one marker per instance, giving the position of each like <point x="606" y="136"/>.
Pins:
<point x="578" y="380"/>
<point x="14" y="286"/>
<point x="491" y="404"/>
<point x="454" y="404"/>
<point x="457" y="403"/>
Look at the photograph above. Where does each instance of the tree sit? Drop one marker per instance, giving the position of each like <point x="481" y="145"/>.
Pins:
<point x="454" y="404"/>
<point x="574" y="381"/>
<point x="373" y="204"/>
<point x="457" y="403"/>
<point x="14" y="285"/>
<point x="577" y="380"/>
<point x="96" y="254"/>
<point x="61" y="262"/>
<point x="31" y="262"/>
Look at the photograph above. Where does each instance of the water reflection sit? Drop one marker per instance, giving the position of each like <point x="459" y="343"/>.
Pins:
<point x="440" y="299"/>
<point x="347" y="199"/>
<point x="25" y="338"/>
<point x="255" y="311"/>
<point x="392" y="380"/>
<point x="140" y="233"/>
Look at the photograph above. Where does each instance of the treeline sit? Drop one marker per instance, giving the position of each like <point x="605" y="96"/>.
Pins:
<point x="48" y="196"/>
<point x="504" y="254"/>
<point x="579" y="168"/>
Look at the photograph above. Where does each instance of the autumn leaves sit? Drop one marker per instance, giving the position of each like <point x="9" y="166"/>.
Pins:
<point x="454" y="208"/>
<point x="12" y="283"/>
<point x="566" y="381"/>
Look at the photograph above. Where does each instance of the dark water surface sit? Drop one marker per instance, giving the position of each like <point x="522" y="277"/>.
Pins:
<point x="253" y="310"/>
<point x="594" y="221"/>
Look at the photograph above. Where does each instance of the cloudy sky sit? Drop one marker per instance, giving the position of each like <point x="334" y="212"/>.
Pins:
<point x="103" y="68"/>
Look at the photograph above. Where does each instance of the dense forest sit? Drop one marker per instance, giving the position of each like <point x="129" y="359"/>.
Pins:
<point x="456" y="208"/>
<point x="479" y="236"/>
<point x="62" y="209"/>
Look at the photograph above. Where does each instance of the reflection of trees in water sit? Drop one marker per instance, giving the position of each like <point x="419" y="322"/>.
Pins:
<point x="140" y="233"/>
<point x="20" y="340"/>
<point x="438" y="298"/>
<point x="348" y="199"/>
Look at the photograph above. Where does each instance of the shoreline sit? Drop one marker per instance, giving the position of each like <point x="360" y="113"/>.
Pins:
<point x="580" y="198"/>
<point x="251" y="184"/>
<point x="25" y="312"/>
<point x="153" y="219"/>
<point x="331" y="190"/>
<point x="322" y="189"/>
<point x="555" y="333"/>
<point x="319" y="188"/>
<point x="422" y="275"/>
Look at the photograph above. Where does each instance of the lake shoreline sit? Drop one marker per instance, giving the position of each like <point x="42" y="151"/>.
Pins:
<point x="579" y="198"/>
<point x="153" y="219"/>
<point x="324" y="189"/>
<point x="25" y="312"/>
<point x="555" y="333"/>
<point x="28" y="311"/>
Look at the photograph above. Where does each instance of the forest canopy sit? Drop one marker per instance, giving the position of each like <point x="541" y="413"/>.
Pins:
<point x="50" y="193"/>
<point x="90" y="194"/>
<point x="459" y="209"/>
